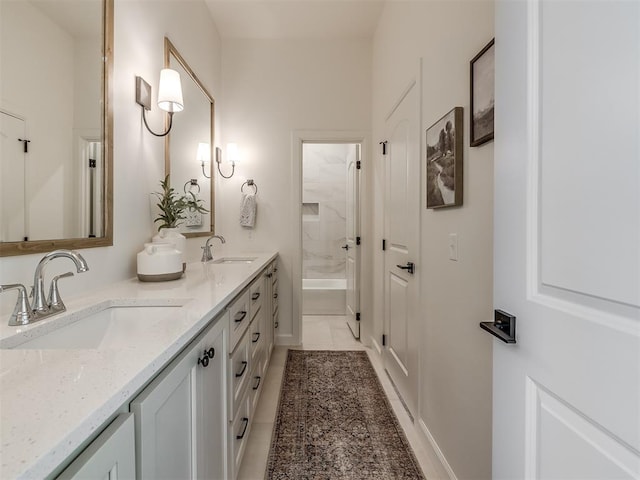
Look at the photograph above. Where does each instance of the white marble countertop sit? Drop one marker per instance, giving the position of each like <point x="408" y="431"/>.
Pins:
<point x="51" y="401"/>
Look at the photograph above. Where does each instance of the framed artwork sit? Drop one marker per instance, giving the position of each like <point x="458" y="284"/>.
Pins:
<point x="444" y="161"/>
<point x="482" y="95"/>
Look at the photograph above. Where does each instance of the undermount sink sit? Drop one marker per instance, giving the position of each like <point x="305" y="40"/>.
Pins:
<point x="230" y="260"/>
<point x="107" y="325"/>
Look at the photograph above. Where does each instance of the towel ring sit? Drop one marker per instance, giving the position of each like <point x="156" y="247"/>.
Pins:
<point x="192" y="182"/>
<point x="250" y="183"/>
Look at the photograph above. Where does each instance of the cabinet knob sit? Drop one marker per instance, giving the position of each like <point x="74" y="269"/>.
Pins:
<point x="206" y="356"/>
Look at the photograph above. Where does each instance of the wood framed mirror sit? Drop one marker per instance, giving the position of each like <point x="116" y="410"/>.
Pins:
<point x="56" y="177"/>
<point x="194" y="126"/>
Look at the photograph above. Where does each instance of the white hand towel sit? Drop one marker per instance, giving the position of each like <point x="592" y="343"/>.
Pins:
<point x="248" y="210"/>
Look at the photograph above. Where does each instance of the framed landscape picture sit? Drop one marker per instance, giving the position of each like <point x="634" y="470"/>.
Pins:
<point x="482" y="95"/>
<point x="444" y="161"/>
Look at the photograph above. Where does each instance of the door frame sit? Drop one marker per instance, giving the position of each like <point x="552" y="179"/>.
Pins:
<point x="298" y="138"/>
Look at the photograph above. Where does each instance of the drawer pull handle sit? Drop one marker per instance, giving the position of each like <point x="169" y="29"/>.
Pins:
<point x="275" y="295"/>
<point x="255" y="338"/>
<point x="255" y="296"/>
<point x="257" y="384"/>
<point x="204" y="361"/>
<point x="245" y="420"/>
<point x="240" y="316"/>
<point x="244" y="367"/>
<point x="211" y="353"/>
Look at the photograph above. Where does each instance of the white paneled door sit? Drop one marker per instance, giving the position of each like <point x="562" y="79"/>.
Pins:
<point x="567" y="239"/>
<point x="401" y="232"/>
<point x="352" y="246"/>
<point x="13" y="221"/>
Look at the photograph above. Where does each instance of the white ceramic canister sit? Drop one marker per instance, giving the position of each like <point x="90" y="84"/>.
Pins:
<point x="173" y="235"/>
<point x="159" y="262"/>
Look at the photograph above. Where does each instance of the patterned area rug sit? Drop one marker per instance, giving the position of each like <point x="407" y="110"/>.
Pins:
<point x="334" y="422"/>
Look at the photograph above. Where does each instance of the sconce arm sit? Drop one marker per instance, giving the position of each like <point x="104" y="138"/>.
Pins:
<point x="233" y="169"/>
<point x="144" y="118"/>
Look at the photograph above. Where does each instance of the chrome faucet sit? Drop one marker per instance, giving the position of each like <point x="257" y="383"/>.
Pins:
<point x="206" y="250"/>
<point x="40" y="305"/>
<point x="24" y="313"/>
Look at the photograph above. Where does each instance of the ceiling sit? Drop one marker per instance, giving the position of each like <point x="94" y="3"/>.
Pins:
<point x="272" y="19"/>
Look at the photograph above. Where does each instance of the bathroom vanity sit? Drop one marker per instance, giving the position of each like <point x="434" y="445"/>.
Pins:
<point x="144" y="378"/>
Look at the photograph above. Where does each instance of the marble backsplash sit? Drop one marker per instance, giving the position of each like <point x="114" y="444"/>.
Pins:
<point x="324" y="198"/>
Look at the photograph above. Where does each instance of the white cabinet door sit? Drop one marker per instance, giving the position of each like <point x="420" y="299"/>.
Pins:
<point x="111" y="456"/>
<point x="211" y="423"/>
<point x="181" y="416"/>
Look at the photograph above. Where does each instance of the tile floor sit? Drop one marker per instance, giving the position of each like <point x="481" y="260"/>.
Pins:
<point x="325" y="333"/>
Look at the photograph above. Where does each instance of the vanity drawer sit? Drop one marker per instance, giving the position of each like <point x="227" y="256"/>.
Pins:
<point x="257" y="335"/>
<point x="255" y="385"/>
<point x="238" y="434"/>
<point x="256" y="294"/>
<point x="239" y="373"/>
<point x="274" y="301"/>
<point x="239" y="313"/>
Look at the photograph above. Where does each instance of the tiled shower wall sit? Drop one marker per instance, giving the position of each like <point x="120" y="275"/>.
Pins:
<point x="324" y="168"/>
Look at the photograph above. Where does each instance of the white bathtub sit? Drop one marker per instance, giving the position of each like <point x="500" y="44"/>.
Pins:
<point x="324" y="296"/>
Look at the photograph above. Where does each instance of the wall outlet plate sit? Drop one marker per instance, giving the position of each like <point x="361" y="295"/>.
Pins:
<point x="194" y="219"/>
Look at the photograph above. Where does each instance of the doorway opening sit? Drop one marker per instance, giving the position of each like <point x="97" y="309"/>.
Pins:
<point x="330" y="231"/>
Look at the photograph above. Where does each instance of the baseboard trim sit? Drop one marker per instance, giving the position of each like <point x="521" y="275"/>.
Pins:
<point x="436" y="448"/>
<point x="286" y="340"/>
<point x="376" y="345"/>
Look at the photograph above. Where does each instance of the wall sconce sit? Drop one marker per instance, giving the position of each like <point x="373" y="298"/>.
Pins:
<point x="169" y="96"/>
<point x="203" y="156"/>
<point x="232" y="158"/>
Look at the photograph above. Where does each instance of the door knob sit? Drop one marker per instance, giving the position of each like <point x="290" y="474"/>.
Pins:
<point x="346" y="247"/>
<point x="410" y="267"/>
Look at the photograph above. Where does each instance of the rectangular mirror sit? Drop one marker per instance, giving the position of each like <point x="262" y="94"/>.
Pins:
<point x="55" y="125"/>
<point x="191" y="141"/>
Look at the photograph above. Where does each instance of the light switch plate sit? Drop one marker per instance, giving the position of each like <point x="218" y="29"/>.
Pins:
<point x="453" y="247"/>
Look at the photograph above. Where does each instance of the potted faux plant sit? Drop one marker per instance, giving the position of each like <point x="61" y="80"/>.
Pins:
<point x="172" y="207"/>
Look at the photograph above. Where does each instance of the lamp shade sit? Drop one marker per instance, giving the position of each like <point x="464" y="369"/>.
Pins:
<point x="170" y="91"/>
<point x="232" y="153"/>
<point x="204" y="153"/>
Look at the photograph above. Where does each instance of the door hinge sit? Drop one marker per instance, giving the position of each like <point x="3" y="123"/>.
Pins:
<point x="384" y="340"/>
<point x="357" y="316"/>
<point x="384" y="244"/>
<point x="25" y="144"/>
<point x="92" y="163"/>
<point x="357" y="240"/>
<point x="384" y="147"/>
<point x="358" y="165"/>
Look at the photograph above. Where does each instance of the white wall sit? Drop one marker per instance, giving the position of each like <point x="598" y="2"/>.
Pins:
<point x="455" y="367"/>
<point x="140" y="27"/>
<point x="272" y="88"/>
